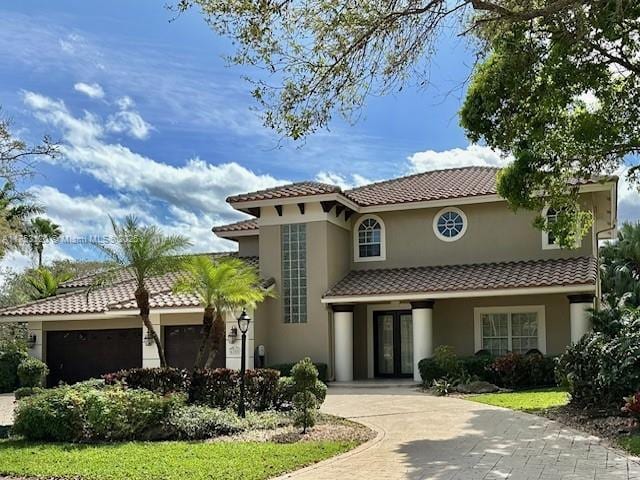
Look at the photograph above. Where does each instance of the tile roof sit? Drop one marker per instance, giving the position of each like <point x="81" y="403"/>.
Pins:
<point x="118" y="296"/>
<point x="300" y="189"/>
<point x="434" y="185"/>
<point x="443" y="184"/>
<point x="485" y="276"/>
<point x="241" y="226"/>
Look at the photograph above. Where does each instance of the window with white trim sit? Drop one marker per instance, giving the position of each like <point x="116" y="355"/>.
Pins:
<point x="369" y="241"/>
<point x="294" y="272"/>
<point x="548" y="238"/>
<point x="510" y="329"/>
<point x="450" y="224"/>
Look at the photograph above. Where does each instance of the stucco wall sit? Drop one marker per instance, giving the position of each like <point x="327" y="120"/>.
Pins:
<point x="494" y="233"/>
<point x="453" y="320"/>
<point x="248" y="246"/>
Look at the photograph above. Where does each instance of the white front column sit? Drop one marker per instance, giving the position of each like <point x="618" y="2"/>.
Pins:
<point x="35" y="330"/>
<point x="343" y="342"/>
<point x="579" y="315"/>
<point x="422" y="316"/>
<point x="150" y="357"/>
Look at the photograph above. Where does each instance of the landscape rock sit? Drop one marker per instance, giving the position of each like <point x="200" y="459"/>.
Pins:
<point x="477" y="387"/>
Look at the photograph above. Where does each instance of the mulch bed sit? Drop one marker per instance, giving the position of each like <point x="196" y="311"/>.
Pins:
<point x="327" y="428"/>
<point x="604" y="424"/>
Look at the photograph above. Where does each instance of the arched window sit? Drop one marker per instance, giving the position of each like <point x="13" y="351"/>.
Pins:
<point x="369" y="239"/>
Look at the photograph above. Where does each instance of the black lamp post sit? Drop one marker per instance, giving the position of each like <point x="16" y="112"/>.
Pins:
<point x="243" y="325"/>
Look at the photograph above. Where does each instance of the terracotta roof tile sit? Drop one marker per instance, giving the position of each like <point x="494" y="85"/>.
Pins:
<point x="301" y="189"/>
<point x="485" y="276"/>
<point x="241" y="226"/>
<point x="434" y="185"/>
<point x="118" y="296"/>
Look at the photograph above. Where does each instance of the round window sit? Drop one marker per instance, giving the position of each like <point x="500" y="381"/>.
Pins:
<point x="450" y="224"/>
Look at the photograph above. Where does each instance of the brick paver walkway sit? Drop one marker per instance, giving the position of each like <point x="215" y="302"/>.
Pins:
<point x="425" y="437"/>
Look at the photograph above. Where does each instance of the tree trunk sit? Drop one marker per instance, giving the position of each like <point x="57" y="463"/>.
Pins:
<point x="142" y="299"/>
<point x="40" y="256"/>
<point x="203" y="351"/>
<point x="215" y="339"/>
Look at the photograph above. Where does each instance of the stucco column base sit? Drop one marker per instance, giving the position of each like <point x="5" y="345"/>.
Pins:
<point x="422" y="316"/>
<point x="579" y="315"/>
<point x="343" y="342"/>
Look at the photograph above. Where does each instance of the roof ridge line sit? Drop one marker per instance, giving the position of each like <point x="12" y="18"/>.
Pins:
<point x="417" y="174"/>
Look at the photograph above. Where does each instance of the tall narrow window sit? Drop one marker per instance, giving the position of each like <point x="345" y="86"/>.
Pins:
<point x="369" y="239"/>
<point x="549" y="239"/>
<point x="294" y="272"/>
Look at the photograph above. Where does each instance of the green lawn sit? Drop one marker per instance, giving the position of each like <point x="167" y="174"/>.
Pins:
<point x="162" y="460"/>
<point x="526" y="401"/>
<point x="631" y="444"/>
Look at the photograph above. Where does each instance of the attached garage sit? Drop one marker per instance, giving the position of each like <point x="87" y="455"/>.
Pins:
<point x="181" y="343"/>
<point x="75" y="355"/>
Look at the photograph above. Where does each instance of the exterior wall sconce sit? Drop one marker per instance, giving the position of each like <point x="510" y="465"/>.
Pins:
<point x="233" y="334"/>
<point x="148" y="339"/>
<point x="31" y="340"/>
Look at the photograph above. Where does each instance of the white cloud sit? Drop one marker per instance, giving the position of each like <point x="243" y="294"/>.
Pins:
<point x="129" y="122"/>
<point x="124" y="103"/>
<point x="92" y="90"/>
<point x="344" y="182"/>
<point x="456" y="157"/>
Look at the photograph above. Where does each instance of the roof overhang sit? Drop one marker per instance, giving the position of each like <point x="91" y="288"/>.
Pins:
<point x="414" y="296"/>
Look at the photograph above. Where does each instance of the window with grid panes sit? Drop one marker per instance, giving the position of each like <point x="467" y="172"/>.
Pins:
<point x="294" y="272"/>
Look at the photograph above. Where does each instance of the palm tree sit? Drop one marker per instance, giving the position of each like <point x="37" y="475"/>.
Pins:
<point x="222" y="285"/>
<point x="44" y="283"/>
<point x="39" y="231"/>
<point x="15" y="208"/>
<point x="146" y="252"/>
<point x="620" y="266"/>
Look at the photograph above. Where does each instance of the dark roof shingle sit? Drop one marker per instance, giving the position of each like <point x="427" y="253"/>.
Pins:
<point x="458" y="278"/>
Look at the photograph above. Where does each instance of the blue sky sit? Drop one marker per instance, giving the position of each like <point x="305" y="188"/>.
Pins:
<point x="153" y="122"/>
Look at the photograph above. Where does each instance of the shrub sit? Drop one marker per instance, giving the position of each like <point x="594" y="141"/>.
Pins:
<point x="604" y="367"/>
<point x="632" y="405"/>
<point x="32" y="372"/>
<point x="442" y="387"/>
<point x="158" y="380"/>
<point x="305" y="403"/>
<point x="11" y="355"/>
<point x="444" y="363"/>
<point x="23" y="392"/>
<point x="287" y="389"/>
<point x="509" y="370"/>
<point x="477" y="366"/>
<point x="84" y="413"/>
<point x="196" y="422"/>
<point x="285" y="370"/>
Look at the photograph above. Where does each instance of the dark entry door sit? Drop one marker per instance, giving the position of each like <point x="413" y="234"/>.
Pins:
<point x="181" y="344"/>
<point x="393" y="344"/>
<point x="76" y="355"/>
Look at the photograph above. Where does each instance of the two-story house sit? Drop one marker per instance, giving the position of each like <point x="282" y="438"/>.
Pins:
<point x="368" y="280"/>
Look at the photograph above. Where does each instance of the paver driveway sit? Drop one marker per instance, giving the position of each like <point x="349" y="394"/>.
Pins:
<point x="425" y="437"/>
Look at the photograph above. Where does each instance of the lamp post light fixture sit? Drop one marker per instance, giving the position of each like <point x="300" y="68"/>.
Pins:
<point x="31" y="340"/>
<point x="148" y="338"/>
<point x="243" y="325"/>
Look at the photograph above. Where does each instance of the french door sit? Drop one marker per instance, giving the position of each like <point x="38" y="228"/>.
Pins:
<point x="393" y="344"/>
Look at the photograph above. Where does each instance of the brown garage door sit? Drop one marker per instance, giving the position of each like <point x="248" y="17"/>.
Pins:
<point x="77" y="355"/>
<point x="181" y="345"/>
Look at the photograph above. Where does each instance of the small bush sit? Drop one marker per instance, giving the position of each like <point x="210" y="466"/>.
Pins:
<point x="197" y="422"/>
<point x="83" y="413"/>
<point x="159" y="380"/>
<point x="442" y="387"/>
<point x="287" y="389"/>
<point x="305" y="404"/>
<point x="477" y="366"/>
<point x="632" y="405"/>
<point x="32" y="372"/>
<point x="10" y="357"/>
<point x="285" y="370"/>
<point x="444" y="363"/>
<point x="23" y="392"/>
